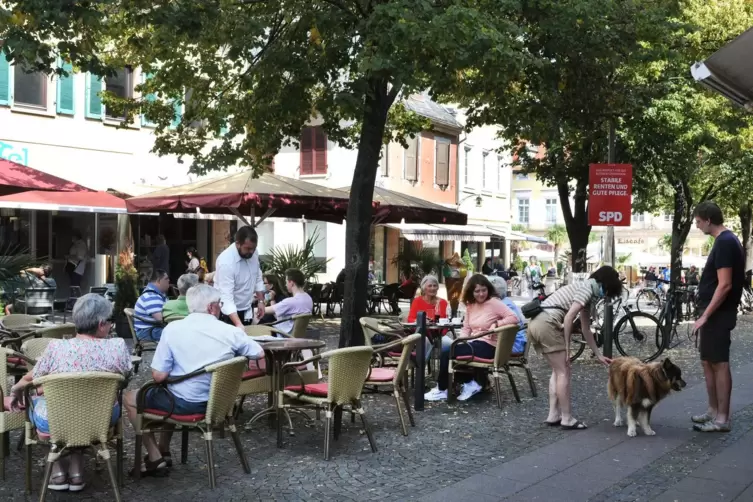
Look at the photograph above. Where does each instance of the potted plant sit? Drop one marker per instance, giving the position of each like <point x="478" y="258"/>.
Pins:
<point x="126" y="294"/>
<point x="302" y="258"/>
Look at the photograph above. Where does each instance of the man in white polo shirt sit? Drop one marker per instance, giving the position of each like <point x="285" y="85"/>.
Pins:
<point x="239" y="279"/>
<point x="186" y="346"/>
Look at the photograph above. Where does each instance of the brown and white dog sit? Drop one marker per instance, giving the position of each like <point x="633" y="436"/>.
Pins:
<point x="639" y="387"/>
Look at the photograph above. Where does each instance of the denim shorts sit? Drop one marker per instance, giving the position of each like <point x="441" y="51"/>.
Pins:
<point x="39" y="414"/>
<point x="149" y="334"/>
<point x="159" y="399"/>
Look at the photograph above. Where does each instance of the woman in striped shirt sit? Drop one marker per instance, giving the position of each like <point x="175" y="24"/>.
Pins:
<point x="550" y="333"/>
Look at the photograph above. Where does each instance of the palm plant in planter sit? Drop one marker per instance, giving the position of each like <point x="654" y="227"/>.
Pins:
<point x="302" y="258"/>
<point x="424" y="261"/>
<point x="13" y="261"/>
<point x="126" y="284"/>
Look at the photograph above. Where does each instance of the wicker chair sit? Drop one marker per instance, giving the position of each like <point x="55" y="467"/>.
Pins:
<point x="348" y="369"/>
<point x="19" y="322"/>
<point x="521" y="361"/>
<point x="226" y="379"/>
<point x="396" y="378"/>
<point x="60" y="331"/>
<point x="33" y="349"/>
<point x="79" y="410"/>
<point x="373" y="328"/>
<point x="496" y="367"/>
<point x="9" y="420"/>
<point x="139" y="346"/>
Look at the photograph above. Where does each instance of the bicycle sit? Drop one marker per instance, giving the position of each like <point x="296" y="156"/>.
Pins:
<point x="633" y="334"/>
<point x="650" y="299"/>
<point x="681" y="307"/>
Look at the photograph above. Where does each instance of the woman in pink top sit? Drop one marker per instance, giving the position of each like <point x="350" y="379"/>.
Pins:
<point x="485" y="311"/>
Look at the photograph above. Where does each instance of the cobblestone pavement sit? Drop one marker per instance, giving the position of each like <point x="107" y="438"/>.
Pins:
<point x="449" y="444"/>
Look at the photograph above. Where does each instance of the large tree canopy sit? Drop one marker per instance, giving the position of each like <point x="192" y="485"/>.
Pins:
<point x="584" y="70"/>
<point x="260" y="69"/>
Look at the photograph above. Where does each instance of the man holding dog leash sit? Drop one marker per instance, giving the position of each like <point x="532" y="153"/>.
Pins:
<point x="718" y="296"/>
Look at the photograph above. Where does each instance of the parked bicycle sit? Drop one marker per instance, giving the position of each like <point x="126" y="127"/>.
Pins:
<point x="650" y="299"/>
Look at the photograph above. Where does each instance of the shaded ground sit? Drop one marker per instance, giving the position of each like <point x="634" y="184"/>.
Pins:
<point x="450" y="443"/>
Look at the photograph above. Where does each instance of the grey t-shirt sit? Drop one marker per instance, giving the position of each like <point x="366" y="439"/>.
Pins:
<point x="561" y="301"/>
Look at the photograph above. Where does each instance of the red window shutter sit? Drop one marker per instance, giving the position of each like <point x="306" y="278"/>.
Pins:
<point x="307" y="150"/>
<point x="320" y="150"/>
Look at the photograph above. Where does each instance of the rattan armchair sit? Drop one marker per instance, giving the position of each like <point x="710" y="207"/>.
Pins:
<point x="19" y="322"/>
<point x="348" y="369"/>
<point x="226" y="379"/>
<point x="79" y="411"/>
<point x="9" y="420"/>
<point x="140" y="346"/>
<point x="60" y="331"/>
<point x="33" y="350"/>
<point x="496" y="367"/>
<point x="373" y="331"/>
<point x="397" y="378"/>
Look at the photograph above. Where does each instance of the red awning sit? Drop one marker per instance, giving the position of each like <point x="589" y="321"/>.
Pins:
<point x="15" y="177"/>
<point x="90" y="202"/>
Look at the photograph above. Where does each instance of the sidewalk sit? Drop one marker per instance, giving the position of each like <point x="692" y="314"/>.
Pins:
<point x="602" y="463"/>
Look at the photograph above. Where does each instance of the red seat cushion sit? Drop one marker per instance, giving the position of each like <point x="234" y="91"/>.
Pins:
<point x="476" y="359"/>
<point x="381" y="375"/>
<point x="254" y="373"/>
<point x="313" y="389"/>
<point x="16" y="361"/>
<point x="196" y="417"/>
<point x="398" y="354"/>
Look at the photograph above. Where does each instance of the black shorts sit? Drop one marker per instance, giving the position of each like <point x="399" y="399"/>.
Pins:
<point x="715" y="337"/>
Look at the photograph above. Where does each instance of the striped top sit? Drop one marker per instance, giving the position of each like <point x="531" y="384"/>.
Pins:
<point x="585" y="293"/>
<point x="150" y="302"/>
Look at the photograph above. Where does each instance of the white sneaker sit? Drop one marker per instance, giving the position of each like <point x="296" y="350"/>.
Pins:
<point x="469" y="389"/>
<point x="435" y="394"/>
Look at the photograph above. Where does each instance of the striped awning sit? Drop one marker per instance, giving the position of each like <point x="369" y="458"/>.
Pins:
<point x="437" y="232"/>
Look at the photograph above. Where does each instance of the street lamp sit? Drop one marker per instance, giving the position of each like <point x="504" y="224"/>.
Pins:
<point x="479" y="200"/>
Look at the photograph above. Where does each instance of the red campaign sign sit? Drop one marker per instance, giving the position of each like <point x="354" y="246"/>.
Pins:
<point x="610" y="190"/>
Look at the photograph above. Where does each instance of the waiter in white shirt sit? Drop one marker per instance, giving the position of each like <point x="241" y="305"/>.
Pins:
<point x="239" y="278"/>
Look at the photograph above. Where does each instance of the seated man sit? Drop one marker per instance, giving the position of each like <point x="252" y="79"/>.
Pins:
<point x="299" y="302"/>
<point x="38" y="277"/>
<point x="149" y="308"/>
<point x="177" y="308"/>
<point x="188" y="345"/>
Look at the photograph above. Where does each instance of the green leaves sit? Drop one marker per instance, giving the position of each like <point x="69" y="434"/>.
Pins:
<point x="302" y="258"/>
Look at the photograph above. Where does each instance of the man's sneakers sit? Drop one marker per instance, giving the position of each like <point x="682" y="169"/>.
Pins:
<point x="468" y="390"/>
<point x="435" y="395"/>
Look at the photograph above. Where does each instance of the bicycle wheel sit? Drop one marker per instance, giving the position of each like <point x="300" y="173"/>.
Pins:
<point x="648" y="301"/>
<point x="636" y="335"/>
<point x="577" y="345"/>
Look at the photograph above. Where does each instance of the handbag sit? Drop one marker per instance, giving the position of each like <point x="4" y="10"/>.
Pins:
<point x="531" y="309"/>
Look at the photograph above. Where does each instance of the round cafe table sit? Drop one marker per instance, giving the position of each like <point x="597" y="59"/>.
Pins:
<point x="434" y="334"/>
<point x="278" y="353"/>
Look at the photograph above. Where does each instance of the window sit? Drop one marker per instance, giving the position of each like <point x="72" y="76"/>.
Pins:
<point x="638" y="217"/>
<point x="313" y="151"/>
<point x="465" y="165"/>
<point x="485" y="178"/>
<point x="29" y="89"/>
<point x="667" y="217"/>
<point x="551" y="211"/>
<point x="384" y="161"/>
<point x="523" y="211"/>
<point x="410" y="159"/>
<point x="121" y="85"/>
<point x="442" y="169"/>
<point x="521" y="177"/>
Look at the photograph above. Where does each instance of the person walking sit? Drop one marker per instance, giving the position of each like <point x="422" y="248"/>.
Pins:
<point x="76" y="259"/>
<point x="718" y="296"/>
<point x="239" y="279"/>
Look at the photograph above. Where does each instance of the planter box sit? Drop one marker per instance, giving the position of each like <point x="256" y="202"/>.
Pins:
<point x="121" y="327"/>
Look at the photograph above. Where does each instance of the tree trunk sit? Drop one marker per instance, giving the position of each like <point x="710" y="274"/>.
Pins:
<point x="682" y="221"/>
<point x="746" y="223"/>
<point x="359" y="215"/>
<point x="576" y="221"/>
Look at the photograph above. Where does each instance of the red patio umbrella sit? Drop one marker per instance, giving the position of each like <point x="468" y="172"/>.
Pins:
<point x="396" y="207"/>
<point x="242" y="194"/>
<point x="89" y="201"/>
<point x="15" y="177"/>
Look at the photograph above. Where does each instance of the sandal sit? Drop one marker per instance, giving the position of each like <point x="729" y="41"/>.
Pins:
<point x="168" y="459"/>
<point x="553" y="424"/>
<point x="577" y="426"/>
<point x="712" y="427"/>
<point x="76" y="487"/>
<point x="702" y="419"/>
<point x="149" y="468"/>
<point x="58" y="487"/>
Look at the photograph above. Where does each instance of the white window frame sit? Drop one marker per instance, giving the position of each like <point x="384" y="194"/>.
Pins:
<point x="467" y="166"/>
<point x="518" y="200"/>
<point x="547" y="199"/>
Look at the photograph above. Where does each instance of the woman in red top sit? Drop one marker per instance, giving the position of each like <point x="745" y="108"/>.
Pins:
<point x="429" y="302"/>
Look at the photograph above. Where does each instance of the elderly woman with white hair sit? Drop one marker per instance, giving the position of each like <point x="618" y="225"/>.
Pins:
<point x="433" y="305"/>
<point x="178" y="309"/>
<point x="89" y="350"/>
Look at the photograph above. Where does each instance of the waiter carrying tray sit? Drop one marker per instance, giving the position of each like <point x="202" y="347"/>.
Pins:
<point x="239" y="279"/>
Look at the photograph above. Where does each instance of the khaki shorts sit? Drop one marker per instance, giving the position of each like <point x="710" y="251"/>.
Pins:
<point x="546" y="334"/>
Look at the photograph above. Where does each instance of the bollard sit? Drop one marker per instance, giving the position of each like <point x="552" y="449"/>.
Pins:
<point x="418" y="399"/>
<point x="606" y="329"/>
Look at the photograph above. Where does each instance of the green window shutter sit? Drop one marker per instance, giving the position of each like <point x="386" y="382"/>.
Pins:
<point x="177" y="113"/>
<point x="94" y="107"/>
<point x="65" y="96"/>
<point x="151" y="97"/>
<point x="4" y="80"/>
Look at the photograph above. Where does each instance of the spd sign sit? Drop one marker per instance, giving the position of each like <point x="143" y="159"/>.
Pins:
<point x="610" y="190"/>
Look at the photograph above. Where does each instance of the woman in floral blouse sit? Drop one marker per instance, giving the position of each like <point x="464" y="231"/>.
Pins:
<point x="90" y="350"/>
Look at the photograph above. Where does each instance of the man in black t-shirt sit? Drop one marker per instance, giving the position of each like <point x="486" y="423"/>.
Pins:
<point x="718" y="295"/>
